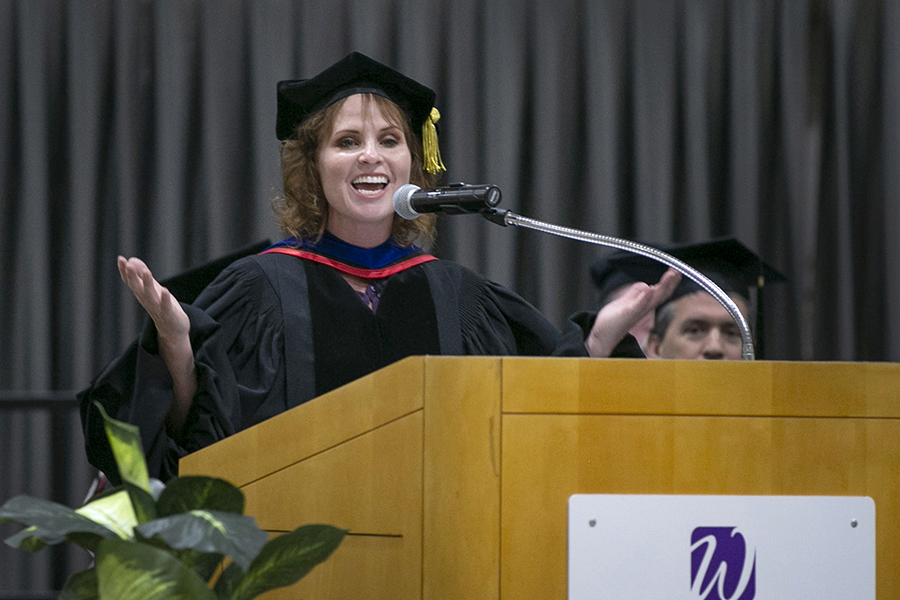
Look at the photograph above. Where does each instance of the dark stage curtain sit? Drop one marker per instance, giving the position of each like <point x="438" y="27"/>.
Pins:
<point x="146" y="127"/>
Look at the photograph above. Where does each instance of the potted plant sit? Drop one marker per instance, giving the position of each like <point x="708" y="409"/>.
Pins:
<point x="170" y="541"/>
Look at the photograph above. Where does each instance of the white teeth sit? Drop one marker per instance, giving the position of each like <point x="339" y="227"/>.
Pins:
<point x="371" y="179"/>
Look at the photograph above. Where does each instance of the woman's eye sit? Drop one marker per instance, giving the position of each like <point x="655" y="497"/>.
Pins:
<point x="346" y="143"/>
<point x="390" y="142"/>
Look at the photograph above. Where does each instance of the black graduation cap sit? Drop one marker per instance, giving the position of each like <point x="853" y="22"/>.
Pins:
<point x="609" y="273"/>
<point x="187" y="286"/>
<point x="726" y="261"/>
<point x="359" y="74"/>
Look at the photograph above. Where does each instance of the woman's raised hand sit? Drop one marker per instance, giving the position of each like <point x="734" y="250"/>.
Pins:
<point x="170" y="319"/>
<point x="173" y="328"/>
<point x="616" y="318"/>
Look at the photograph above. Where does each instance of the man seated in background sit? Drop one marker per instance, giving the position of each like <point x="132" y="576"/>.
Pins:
<point x="692" y="324"/>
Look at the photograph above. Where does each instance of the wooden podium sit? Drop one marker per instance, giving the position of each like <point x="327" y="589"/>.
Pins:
<point x="453" y="474"/>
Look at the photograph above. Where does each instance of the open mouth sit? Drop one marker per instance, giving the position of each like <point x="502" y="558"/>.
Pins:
<point x="370" y="185"/>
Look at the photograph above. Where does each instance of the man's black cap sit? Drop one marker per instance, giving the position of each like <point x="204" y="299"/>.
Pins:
<point x="726" y="261"/>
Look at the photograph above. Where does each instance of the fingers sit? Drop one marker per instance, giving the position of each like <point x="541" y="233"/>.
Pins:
<point x="168" y="315"/>
<point x="661" y="291"/>
<point x="636" y="301"/>
<point x="669" y="280"/>
<point x="132" y="271"/>
<point x="617" y="317"/>
<point x="137" y="276"/>
<point x="640" y="298"/>
<point x="128" y="273"/>
<point x="635" y="292"/>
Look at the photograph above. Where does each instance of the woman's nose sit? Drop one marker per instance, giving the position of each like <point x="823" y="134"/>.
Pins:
<point x="370" y="152"/>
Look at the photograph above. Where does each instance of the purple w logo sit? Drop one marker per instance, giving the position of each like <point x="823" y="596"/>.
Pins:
<point x="721" y="566"/>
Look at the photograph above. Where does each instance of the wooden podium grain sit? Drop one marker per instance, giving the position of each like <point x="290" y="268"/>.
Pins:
<point x="453" y="473"/>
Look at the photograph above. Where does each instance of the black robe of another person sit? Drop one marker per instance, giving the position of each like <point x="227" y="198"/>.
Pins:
<point x="274" y="331"/>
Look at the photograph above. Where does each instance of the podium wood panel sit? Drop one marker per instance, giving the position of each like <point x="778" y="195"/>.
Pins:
<point x="374" y="489"/>
<point x="453" y="474"/>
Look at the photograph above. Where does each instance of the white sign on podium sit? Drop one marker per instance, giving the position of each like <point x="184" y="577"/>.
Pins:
<point x="721" y="547"/>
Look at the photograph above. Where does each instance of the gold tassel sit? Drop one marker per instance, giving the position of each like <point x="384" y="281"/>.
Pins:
<point x="430" y="148"/>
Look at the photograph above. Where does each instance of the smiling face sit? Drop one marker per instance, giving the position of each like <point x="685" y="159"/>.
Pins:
<point x="700" y="329"/>
<point x="362" y="162"/>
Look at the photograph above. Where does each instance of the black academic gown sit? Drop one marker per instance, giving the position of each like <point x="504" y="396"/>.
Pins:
<point x="274" y="331"/>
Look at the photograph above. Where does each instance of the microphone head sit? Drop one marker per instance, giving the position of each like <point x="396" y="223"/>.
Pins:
<point x="403" y="201"/>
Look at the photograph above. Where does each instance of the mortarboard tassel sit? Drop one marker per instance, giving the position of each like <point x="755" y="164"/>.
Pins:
<point x="430" y="148"/>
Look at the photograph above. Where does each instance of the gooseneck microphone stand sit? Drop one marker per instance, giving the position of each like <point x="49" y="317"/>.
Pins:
<point x="506" y="218"/>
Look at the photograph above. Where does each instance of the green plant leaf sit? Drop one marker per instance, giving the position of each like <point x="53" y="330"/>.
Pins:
<point x="50" y="523"/>
<point x="235" y="536"/>
<point x="204" y="564"/>
<point x="81" y="586"/>
<point x="115" y="512"/>
<point x="125" y="440"/>
<point x="26" y="540"/>
<point x="142" y="502"/>
<point x="287" y="558"/>
<point x="228" y="581"/>
<point x="183" y="494"/>
<point x="130" y="570"/>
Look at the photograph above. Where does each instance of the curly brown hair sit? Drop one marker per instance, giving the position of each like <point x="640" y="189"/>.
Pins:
<point x="303" y="215"/>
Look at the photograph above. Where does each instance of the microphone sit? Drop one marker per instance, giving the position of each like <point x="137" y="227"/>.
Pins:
<point x="411" y="201"/>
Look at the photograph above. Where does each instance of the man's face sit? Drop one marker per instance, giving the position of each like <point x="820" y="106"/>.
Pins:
<point x="701" y="329"/>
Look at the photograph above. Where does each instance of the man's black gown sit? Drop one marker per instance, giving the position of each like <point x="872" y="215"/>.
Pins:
<point x="274" y="331"/>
